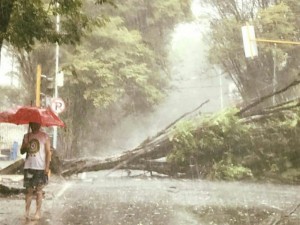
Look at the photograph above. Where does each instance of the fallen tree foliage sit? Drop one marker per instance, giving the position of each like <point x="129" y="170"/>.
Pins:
<point x="227" y="145"/>
<point x="140" y="158"/>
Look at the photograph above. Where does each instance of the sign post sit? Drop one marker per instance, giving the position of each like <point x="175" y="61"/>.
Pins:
<point x="250" y="47"/>
<point x="57" y="105"/>
<point x="56" y="75"/>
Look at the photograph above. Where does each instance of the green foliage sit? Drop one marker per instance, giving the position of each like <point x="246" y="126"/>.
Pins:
<point x="167" y="11"/>
<point x="281" y="140"/>
<point x="118" y="70"/>
<point x="155" y="19"/>
<point x="208" y="142"/>
<point x="25" y="22"/>
<point x="223" y="171"/>
<point x="114" y="64"/>
<point x="277" y="22"/>
<point x="119" y="66"/>
<point x="232" y="149"/>
<point x="185" y="143"/>
<point x="228" y="45"/>
<point x="155" y="13"/>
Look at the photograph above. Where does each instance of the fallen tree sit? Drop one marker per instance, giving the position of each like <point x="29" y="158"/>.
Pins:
<point x="140" y="158"/>
<point x="144" y="156"/>
<point x="14" y="168"/>
<point x="6" y="190"/>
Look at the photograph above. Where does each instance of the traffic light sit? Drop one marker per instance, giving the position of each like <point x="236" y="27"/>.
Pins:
<point x="47" y="90"/>
<point x="47" y="85"/>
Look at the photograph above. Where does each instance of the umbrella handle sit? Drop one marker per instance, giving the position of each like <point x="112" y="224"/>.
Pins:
<point x="28" y="130"/>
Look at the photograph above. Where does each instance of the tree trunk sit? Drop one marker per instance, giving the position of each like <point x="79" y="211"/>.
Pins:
<point x="14" y="168"/>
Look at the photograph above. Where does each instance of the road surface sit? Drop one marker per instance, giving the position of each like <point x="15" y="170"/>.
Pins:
<point x="116" y="198"/>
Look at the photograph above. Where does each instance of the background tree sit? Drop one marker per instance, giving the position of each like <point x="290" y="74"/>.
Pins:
<point x="112" y="70"/>
<point x="272" y="20"/>
<point x="116" y="70"/>
<point x="22" y="23"/>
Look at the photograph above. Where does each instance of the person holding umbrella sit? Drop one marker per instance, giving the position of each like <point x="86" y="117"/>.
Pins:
<point x="36" y="145"/>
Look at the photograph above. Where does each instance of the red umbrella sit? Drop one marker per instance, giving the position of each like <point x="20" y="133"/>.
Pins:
<point x="6" y="115"/>
<point x="26" y="114"/>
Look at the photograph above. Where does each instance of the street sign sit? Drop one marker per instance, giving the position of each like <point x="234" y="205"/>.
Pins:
<point x="60" y="79"/>
<point x="57" y="105"/>
<point x="249" y="41"/>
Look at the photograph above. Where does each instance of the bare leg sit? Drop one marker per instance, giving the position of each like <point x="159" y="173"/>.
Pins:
<point x="39" y="200"/>
<point x="28" y="198"/>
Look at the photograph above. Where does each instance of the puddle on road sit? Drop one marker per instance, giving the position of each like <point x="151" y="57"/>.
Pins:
<point x="151" y="214"/>
<point x="110" y="213"/>
<point x="216" y="215"/>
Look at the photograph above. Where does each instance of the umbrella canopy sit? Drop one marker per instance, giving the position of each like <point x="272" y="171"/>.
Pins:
<point x="6" y="115"/>
<point x="27" y="114"/>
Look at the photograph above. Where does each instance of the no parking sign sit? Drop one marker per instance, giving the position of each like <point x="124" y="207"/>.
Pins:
<point x="57" y="105"/>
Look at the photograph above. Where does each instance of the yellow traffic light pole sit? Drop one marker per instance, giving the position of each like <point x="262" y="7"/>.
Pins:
<point x="277" y="41"/>
<point x="38" y="86"/>
<point x="249" y="41"/>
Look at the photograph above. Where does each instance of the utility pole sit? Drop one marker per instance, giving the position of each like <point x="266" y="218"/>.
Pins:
<point x="56" y="75"/>
<point x="274" y="74"/>
<point x="220" y="74"/>
<point x="221" y="91"/>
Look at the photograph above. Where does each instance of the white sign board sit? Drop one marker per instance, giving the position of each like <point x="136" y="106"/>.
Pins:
<point x="250" y="46"/>
<point x="60" y="79"/>
<point x="57" y="105"/>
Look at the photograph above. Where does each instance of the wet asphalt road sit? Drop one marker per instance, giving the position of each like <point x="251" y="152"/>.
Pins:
<point x="98" y="198"/>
